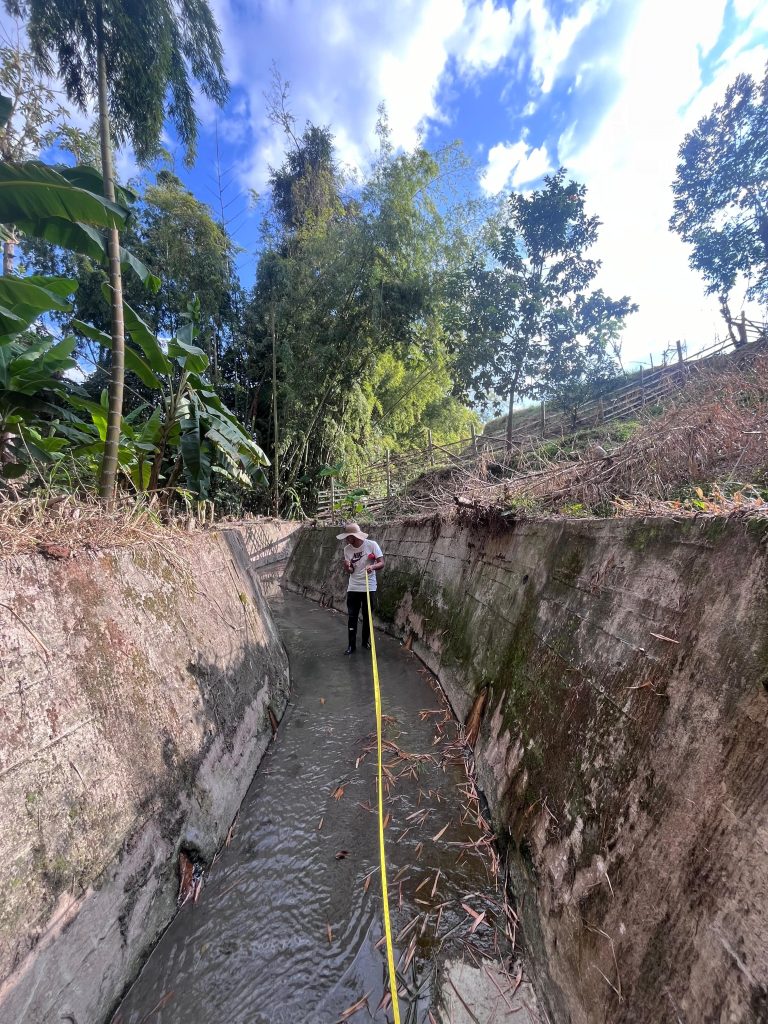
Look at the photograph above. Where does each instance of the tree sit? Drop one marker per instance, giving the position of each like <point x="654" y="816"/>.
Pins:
<point x="27" y="129"/>
<point x="721" y="192"/>
<point x="136" y="60"/>
<point x="178" y="232"/>
<point x="534" y="323"/>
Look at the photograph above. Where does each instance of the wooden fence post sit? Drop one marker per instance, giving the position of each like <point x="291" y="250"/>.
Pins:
<point x="642" y="385"/>
<point x="430" y="448"/>
<point x="332" y="509"/>
<point x="474" y="439"/>
<point x="389" y="476"/>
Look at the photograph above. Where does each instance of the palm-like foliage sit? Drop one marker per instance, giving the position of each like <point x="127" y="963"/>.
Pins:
<point x="152" y="50"/>
<point x="131" y="55"/>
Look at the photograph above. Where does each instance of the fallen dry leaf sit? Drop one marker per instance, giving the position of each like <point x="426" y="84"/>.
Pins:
<point x="442" y="830"/>
<point x="338" y="793"/>
<point x="352" y="1010"/>
<point x="329" y="933"/>
<point x="472" y="913"/>
<point x="54" y="550"/>
<point x="186" y="869"/>
<point x="660" y="636"/>
<point x="477" y="923"/>
<point x="386" y="999"/>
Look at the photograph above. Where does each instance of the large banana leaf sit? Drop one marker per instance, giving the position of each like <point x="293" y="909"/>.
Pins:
<point x="133" y="361"/>
<point x="83" y="176"/>
<point x="142" y="336"/>
<point x="189" y="357"/>
<point x="24" y="299"/>
<point x="195" y="452"/>
<point x="32" y="191"/>
<point x="88" y="241"/>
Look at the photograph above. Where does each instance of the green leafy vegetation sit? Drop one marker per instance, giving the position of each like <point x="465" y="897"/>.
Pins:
<point x="388" y="309"/>
<point x="720" y="193"/>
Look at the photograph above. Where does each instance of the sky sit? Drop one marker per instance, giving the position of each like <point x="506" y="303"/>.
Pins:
<point x="606" y="88"/>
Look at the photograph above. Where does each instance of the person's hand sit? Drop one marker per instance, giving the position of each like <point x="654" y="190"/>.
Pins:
<point x="347" y="566"/>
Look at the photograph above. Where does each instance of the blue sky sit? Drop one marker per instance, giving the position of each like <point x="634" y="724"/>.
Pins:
<point x="607" y="88"/>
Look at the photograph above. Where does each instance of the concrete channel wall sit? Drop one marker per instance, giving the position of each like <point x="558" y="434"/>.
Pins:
<point x="135" y="691"/>
<point x="623" y="748"/>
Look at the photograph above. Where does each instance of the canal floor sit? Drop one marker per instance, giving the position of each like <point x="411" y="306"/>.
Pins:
<point x="288" y="925"/>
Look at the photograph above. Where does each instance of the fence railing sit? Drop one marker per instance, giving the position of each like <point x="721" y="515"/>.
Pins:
<point x="394" y="473"/>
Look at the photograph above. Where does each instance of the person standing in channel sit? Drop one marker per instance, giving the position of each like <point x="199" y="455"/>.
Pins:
<point x="362" y="557"/>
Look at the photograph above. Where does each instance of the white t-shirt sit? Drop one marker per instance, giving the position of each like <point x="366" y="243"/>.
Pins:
<point x="360" y="557"/>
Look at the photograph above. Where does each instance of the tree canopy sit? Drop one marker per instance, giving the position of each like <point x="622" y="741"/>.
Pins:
<point x="153" y="49"/>
<point x="533" y="323"/>
<point x="721" y="191"/>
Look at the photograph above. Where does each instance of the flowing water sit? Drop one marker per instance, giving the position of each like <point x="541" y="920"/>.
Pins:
<point x="288" y="924"/>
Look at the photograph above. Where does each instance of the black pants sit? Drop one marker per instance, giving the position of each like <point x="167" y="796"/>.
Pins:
<point x="356" y="601"/>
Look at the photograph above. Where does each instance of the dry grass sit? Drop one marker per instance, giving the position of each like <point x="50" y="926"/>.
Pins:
<point x="60" y="524"/>
<point x="705" y="454"/>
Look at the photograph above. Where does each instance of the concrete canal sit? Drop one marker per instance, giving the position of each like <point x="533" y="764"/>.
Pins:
<point x="288" y="926"/>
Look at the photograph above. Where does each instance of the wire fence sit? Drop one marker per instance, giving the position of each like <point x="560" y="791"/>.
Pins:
<point x="379" y="481"/>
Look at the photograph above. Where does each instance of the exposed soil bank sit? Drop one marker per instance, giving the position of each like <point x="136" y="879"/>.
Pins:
<point x="134" y="695"/>
<point x="623" y="748"/>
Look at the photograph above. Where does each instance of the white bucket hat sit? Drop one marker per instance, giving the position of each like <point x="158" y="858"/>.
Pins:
<point x="351" y="530"/>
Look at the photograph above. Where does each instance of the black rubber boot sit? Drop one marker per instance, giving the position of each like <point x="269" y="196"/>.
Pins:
<point x="350" y="650"/>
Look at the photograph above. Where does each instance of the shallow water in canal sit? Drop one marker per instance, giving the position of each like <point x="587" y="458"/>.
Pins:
<point x="287" y="924"/>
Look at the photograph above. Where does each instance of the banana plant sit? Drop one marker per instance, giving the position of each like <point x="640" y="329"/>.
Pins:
<point x="190" y="431"/>
<point x="32" y="371"/>
<point x="64" y="206"/>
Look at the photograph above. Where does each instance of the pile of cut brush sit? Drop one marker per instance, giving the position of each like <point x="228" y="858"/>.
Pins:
<point x="705" y="454"/>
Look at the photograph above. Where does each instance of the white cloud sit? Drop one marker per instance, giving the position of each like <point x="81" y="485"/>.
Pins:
<point x="552" y="44"/>
<point x="755" y="10"/>
<point x="343" y="59"/>
<point x="488" y="33"/>
<point x="512" y="166"/>
<point x="629" y="165"/>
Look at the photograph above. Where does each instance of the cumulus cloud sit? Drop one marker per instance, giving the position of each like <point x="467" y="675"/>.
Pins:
<point x="488" y="33"/>
<point x="513" y="166"/>
<point x="629" y="165"/>
<point x="343" y="59"/>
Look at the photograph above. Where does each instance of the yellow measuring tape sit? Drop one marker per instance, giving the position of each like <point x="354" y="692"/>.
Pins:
<point x="382" y="855"/>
